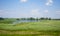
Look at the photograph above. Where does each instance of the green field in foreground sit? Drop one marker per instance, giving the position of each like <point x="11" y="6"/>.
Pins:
<point x="44" y="27"/>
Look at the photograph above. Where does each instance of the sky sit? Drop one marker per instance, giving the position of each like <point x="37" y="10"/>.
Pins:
<point x="29" y="8"/>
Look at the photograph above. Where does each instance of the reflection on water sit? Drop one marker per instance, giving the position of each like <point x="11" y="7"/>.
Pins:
<point x="20" y="21"/>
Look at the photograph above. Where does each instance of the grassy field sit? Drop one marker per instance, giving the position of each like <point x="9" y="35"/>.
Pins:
<point x="41" y="28"/>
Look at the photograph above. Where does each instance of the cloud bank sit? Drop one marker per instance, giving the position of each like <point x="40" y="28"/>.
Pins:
<point x="23" y="0"/>
<point x="49" y="2"/>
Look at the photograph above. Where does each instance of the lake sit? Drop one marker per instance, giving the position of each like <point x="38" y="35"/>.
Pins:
<point x="21" y="21"/>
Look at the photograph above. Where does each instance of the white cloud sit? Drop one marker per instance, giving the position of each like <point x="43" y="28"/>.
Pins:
<point x="1" y="10"/>
<point x="46" y="11"/>
<point x="35" y="12"/>
<point x="49" y="2"/>
<point x="23" y="0"/>
<point x="57" y="12"/>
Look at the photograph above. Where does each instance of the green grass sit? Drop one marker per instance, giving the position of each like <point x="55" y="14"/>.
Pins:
<point x="25" y="35"/>
<point x="30" y="34"/>
<point x="18" y="35"/>
<point x="50" y="27"/>
<point x="35" y="26"/>
<point x="7" y="21"/>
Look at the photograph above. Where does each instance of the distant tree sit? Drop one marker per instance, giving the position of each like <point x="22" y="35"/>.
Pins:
<point x="49" y="18"/>
<point x="42" y="18"/>
<point x="1" y="18"/>
<point x="56" y="19"/>
<point x="45" y="18"/>
<point x="23" y="18"/>
<point x="17" y="19"/>
<point x="31" y="18"/>
<point x="36" y="19"/>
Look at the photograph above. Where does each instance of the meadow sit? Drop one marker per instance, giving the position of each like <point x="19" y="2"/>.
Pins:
<point x="40" y="28"/>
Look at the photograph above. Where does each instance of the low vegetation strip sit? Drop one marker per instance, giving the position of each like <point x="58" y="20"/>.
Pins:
<point x="29" y="33"/>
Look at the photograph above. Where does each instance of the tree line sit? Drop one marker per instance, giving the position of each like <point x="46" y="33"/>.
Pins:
<point x="31" y="18"/>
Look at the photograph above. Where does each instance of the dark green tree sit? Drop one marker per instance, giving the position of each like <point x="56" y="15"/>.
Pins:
<point x="17" y="19"/>
<point x="31" y="18"/>
<point x="1" y="18"/>
<point x="42" y="18"/>
<point x="49" y="18"/>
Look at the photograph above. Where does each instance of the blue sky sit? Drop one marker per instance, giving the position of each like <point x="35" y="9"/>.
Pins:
<point x="29" y="8"/>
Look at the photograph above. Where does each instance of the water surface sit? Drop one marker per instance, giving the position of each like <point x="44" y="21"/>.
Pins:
<point x="21" y="21"/>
